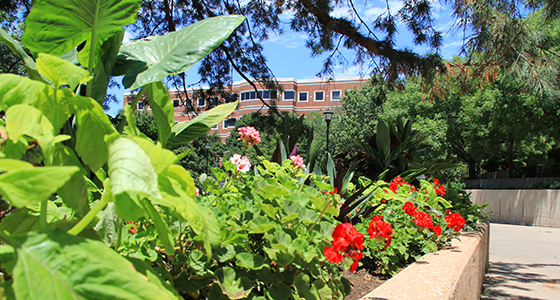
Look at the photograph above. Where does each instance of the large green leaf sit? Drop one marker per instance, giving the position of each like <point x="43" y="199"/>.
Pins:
<point x="70" y="267"/>
<point x="22" y="119"/>
<point x="56" y="107"/>
<point x="29" y="186"/>
<point x="161" y="158"/>
<point x="132" y="177"/>
<point x="383" y="140"/>
<point x="57" y="27"/>
<point x="162" y="108"/>
<point x="107" y="57"/>
<point x="93" y="125"/>
<point x="175" y="52"/>
<point x="187" y="131"/>
<point x="61" y="72"/>
<point x="16" y="47"/>
<point x="20" y="90"/>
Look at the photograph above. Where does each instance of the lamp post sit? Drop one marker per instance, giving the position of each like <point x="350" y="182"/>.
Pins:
<point x="328" y="117"/>
<point x="207" y="154"/>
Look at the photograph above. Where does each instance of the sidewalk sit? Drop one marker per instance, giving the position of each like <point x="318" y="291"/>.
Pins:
<point x="524" y="263"/>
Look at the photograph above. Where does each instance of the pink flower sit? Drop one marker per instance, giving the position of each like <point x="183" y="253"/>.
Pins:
<point x="298" y="161"/>
<point x="197" y="192"/>
<point x="242" y="163"/>
<point x="249" y="135"/>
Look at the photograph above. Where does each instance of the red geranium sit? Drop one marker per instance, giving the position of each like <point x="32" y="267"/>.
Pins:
<point x="379" y="229"/>
<point x="423" y="220"/>
<point x="455" y="221"/>
<point x="437" y="230"/>
<point x="409" y="208"/>
<point x="347" y="241"/>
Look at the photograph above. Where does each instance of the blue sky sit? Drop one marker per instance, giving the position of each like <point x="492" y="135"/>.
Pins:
<point x="288" y="57"/>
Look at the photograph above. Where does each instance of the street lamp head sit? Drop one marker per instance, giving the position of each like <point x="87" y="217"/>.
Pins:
<point x="328" y="115"/>
<point x="207" y="146"/>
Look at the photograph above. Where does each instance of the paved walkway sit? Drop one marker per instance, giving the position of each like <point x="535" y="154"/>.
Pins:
<point x="524" y="263"/>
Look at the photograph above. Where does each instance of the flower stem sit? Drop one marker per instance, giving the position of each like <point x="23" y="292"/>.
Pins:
<point x="324" y="209"/>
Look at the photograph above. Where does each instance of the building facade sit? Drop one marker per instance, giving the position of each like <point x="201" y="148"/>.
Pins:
<point x="298" y="96"/>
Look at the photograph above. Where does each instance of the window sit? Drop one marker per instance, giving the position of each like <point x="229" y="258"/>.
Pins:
<point x="140" y="105"/>
<point x="255" y="95"/>
<point x="289" y="95"/>
<point x="201" y="102"/>
<point x="232" y="98"/>
<point x="176" y="103"/>
<point x="335" y="95"/>
<point x="229" y="122"/>
<point x="188" y="103"/>
<point x="302" y="96"/>
<point x="319" y="96"/>
<point x="215" y="127"/>
<point x="214" y="101"/>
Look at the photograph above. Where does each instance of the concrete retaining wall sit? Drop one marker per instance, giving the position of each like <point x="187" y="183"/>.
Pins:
<point x="453" y="273"/>
<point x="526" y="207"/>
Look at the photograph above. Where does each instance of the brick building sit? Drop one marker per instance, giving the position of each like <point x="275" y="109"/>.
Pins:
<point x="298" y="96"/>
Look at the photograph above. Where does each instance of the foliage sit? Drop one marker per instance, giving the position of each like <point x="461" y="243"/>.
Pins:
<point x="76" y="180"/>
<point x="198" y="158"/>
<point x="268" y="237"/>
<point x="289" y="128"/>
<point x="419" y="218"/>
<point x="487" y="127"/>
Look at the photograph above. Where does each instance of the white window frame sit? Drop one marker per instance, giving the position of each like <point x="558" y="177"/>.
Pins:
<point x="198" y="102"/>
<point x="315" y="96"/>
<point x="332" y="98"/>
<point x="215" y="127"/>
<point x="306" y="96"/>
<point x="291" y="100"/>
<point x="140" y="103"/>
<point x="178" y="101"/>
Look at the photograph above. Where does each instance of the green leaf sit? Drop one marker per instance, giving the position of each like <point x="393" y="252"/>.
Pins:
<point x="164" y="235"/>
<point x="57" y="27"/>
<point x="108" y="225"/>
<point x="162" y="107"/>
<point x="17" y="49"/>
<point x="19" y="222"/>
<point x="70" y="267"/>
<point x="161" y="158"/>
<point x="20" y="90"/>
<point x="177" y="51"/>
<point x="23" y="187"/>
<point x="75" y="194"/>
<point x="104" y="68"/>
<point x="61" y="72"/>
<point x="383" y="140"/>
<point x="13" y="164"/>
<point x="232" y="285"/>
<point x="184" y="132"/>
<point x="250" y="261"/>
<point x="260" y="225"/>
<point x="93" y="125"/>
<point x="279" y="292"/>
<point x="22" y="119"/>
<point x="131" y="177"/>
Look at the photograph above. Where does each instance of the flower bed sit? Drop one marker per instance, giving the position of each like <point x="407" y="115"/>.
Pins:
<point x="456" y="272"/>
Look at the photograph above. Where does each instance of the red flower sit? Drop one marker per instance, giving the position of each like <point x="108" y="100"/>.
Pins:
<point x="440" y="190"/>
<point x="436" y="181"/>
<point x="423" y="220"/>
<point x="379" y="229"/>
<point x="455" y="221"/>
<point x="409" y="208"/>
<point x="134" y="227"/>
<point x="437" y="230"/>
<point x="356" y="256"/>
<point x="331" y="193"/>
<point x="333" y="256"/>
<point x="347" y="241"/>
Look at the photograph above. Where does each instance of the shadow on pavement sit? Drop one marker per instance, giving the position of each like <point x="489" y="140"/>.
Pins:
<point x="503" y="280"/>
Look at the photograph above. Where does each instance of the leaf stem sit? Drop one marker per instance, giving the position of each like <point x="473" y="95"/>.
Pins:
<point x="91" y="65"/>
<point x="90" y="215"/>
<point x="43" y="216"/>
<point x="318" y="218"/>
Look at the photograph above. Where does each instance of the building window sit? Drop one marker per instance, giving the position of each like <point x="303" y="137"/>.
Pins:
<point x="335" y="95"/>
<point x="176" y="103"/>
<point x="303" y="96"/>
<point x="140" y="105"/>
<point x="214" y="101"/>
<point x="319" y="96"/>
<point x="215" y="127"/>
<point x="289" y="95"/>
<point x="201" y="102"/>
<point x="229" y="122"/>
<point x="232" y="98"/>
<point x="188" y="103"/>
<point x="255" y="95"/>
